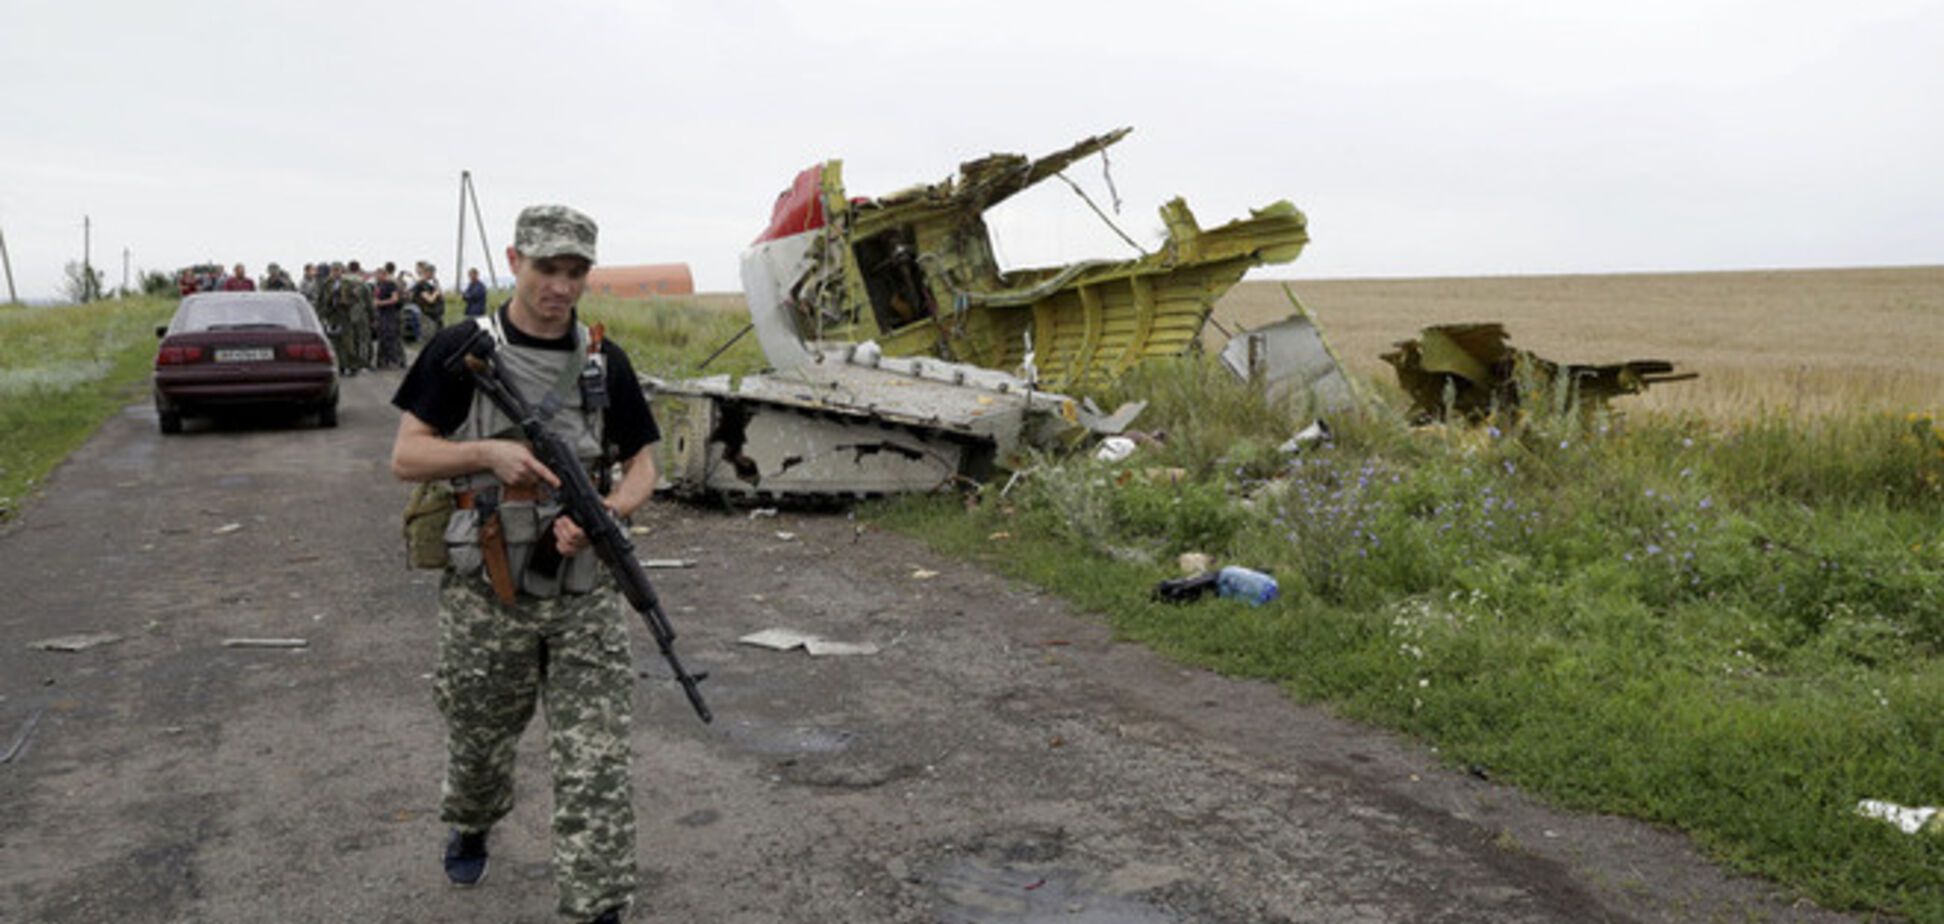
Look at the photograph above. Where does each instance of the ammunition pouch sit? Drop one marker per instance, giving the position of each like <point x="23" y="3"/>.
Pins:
<point x="428" y="515"/>
<point x="524" y="522"/>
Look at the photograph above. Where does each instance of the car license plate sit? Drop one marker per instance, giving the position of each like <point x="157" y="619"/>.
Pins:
<point x="250" y="355"/>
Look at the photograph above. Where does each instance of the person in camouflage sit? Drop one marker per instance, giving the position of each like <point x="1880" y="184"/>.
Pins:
<point x="353" y="295"/>
<point x="331" y="312"/>
<point x="276" y="280"/>
<point x="510" y="644"/>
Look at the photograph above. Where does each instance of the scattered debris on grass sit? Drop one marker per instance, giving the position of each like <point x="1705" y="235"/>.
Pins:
<point x="1908" y="819"/>
<point x="226" y="529"/>
<point x="1115" y="449"/>
<point x="1316" y="433"/>
<point x="1246" y="584"/>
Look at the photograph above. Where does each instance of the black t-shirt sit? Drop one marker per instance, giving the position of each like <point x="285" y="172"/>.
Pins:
<point x="444" y="399"/>
<point x="426" y="293"/>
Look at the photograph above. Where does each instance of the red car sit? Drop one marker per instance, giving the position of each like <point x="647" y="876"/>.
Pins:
<point x="226" y="350"/>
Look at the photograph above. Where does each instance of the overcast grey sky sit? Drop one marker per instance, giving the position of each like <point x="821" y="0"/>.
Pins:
<point x="1422" y="138"/>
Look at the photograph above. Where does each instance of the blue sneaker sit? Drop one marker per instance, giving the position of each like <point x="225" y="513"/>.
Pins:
<point x="465" y="857"/>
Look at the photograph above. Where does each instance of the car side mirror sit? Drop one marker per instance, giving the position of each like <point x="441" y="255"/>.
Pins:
<point x="161" y="330"/>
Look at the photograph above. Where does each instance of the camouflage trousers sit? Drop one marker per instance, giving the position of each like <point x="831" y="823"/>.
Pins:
<point x="570" y="656"/>
<point x="391" y="349"/>
<point x="357" y="329"/>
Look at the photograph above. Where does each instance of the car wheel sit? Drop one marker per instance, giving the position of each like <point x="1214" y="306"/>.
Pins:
<point x="169" y="421"/>
<point x="327" y="416"/>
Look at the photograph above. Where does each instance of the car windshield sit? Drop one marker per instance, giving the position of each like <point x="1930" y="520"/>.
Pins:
<point x="242" y="314"/>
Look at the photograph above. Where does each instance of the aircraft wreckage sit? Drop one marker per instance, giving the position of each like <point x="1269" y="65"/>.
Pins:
<point x="905" y="359"/>
<point x="1470" y="371"/>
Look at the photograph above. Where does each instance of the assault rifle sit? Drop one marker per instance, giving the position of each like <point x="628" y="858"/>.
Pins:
<point x="581" y="503"/>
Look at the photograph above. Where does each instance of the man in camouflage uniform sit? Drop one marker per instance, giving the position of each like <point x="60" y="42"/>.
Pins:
<point x="337" y="323"/>
<point x="276" y="280"/>
<point x="353" y="295"/>
<point x="509" y="644"/>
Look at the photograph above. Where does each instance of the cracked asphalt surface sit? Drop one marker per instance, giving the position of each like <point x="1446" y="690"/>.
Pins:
<point x="1001" y="759"/>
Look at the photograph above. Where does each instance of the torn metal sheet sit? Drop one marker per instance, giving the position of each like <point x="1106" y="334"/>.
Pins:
<point x="816" y="645"/>
<point x="853" y="423"/>
<point x="1290" y="357"/>
<point x="915" y="272"/>
<point x="1469" y="370"/>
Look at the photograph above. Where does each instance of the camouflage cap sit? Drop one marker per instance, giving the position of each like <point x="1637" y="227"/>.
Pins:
<point x="554" y="231"/>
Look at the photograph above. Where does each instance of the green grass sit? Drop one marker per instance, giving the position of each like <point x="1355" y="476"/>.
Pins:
<point x="63" y="370"/>
<point x="1734" y="629"/>
<point x="671" y="337"/>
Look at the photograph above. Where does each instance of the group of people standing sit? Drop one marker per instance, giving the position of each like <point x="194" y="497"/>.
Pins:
<point x="209" y="277"/>
<point x="363" y="314"/>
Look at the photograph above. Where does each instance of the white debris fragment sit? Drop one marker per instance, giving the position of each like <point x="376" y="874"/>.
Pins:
<point x="81" y="641"/>
<point x="1115" y="448"/>
<point x="653" y="564"/>
<point x="923" y="574"/>
<point x="821" y="647"/>
<point x="1308" y="436"/>
<point x="777" y="639"/>
<point x="266" y="643"/>
<point x="786" y="536"/>
<point x="762" y="513"/>
<point x="1908" y="819"/>
<point x="817" y="646"/>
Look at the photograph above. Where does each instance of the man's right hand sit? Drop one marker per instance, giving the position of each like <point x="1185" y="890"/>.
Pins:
<point x="514" y="464"/>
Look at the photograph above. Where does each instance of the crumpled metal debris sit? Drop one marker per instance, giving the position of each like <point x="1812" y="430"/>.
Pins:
<point x="1469" y="370"/>
<point x="855" y="424"/>
<point x="916" y="272"/>
<point x="1291" y="357"/>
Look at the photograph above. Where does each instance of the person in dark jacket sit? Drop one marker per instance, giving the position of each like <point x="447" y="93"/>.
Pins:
<point x="475" y="295"/>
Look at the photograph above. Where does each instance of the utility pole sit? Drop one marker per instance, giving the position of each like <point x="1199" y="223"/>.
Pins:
<point x="459" y="258"/>
<point x="87" y="266"/>
<point x="12" y="296"/>
<point x="470" y="193"/>
<point x="124" y="288"/>
<point x="480" y="219"/>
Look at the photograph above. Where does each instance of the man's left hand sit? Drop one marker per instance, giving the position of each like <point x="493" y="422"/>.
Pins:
<point x="568" y="537"/>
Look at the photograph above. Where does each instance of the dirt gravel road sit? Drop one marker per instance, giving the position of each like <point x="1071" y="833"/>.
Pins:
<point x="1001" y="759"/>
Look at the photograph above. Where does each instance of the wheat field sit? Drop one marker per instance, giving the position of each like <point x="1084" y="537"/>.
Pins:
<point x="1797" y="341"/>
